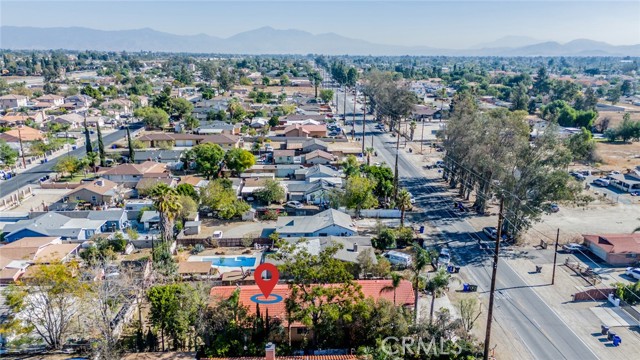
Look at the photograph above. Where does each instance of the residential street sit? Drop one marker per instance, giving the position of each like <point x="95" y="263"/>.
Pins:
<point x="518" y="309"/>
<point x="34" y="174"/>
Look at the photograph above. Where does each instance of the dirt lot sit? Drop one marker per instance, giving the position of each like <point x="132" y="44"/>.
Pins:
<point x="618" y="156"/>
<point x="615" y="117"/>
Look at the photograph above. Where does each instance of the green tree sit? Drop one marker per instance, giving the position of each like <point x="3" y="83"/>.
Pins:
<point x="396" y="280"/>
<point x="519" y="98"/>
<point x="239" y="160"/>
<point x="100" y="146"/>
<point x="87" y="137"/>
<point x="326" y="95"/>
<point x="47" y="303"/>
<point x="358" y="194"/>
<point x="316" y="80"/>
<point x="191" y="123"/>
<point x="351" y="166"/>
<point x="185" y="189"/>
<point x="421" y="260"/>
<point x="614" y="94"/>
<point x="627" y="88"/>
<point x="68" y="165"/>
<point x="284" y="80"/>
<point x="173" y="308"/>
<point x="404" y="204"/>
<point x="8" y="155"/>
<point x="266" y="81"/>
<point x="152" y="117"/>
<point x="181" y="107"/>
<point x="310" y="301"/>
<point x="132" y="153"/>
<point x="207" y="157"/>
<point x="220" y="197"/>
<point x="436" y="285"/>
<point x="271" y="192"/>
<point x="412" y="129"/>
<point x="225" y="79"/>
<point x="385" y="239"/>
<point x="582" y="145"/>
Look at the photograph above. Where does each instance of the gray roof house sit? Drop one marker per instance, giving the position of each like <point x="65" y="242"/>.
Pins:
<point x="317" y="171"/>
<point x="53" y="224"/>
<point x="327" y="223"/>
<point x="350" y="247"/>
<point x="314" y="192"/>
<point x="161" y="156"/>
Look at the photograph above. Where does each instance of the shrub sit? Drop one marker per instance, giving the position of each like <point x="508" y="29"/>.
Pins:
<point x="197" y="249"/>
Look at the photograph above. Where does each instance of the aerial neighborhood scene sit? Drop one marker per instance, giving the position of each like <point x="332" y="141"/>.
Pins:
<point x="319" y="180"/>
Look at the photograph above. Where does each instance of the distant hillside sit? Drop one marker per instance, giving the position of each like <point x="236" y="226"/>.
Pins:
<point x="268" y="40"/>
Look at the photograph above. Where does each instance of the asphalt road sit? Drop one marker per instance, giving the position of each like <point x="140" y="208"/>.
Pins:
<point x="517" y="307"/>
<point x="33" y="175"/>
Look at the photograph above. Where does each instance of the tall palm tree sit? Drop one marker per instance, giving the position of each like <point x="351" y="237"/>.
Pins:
<point x="412" y="129"/>
<point x="165" y="200"/>
<point x="421" y="259"/>
<point x="436" y="286"/>
<point x="396" y="279"/>
<point x="369" y="151"/>
<point x="403" y="203"/>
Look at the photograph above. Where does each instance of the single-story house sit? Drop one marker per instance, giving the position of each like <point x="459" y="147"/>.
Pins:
<point x="330" y="222"/>
<point x="73" y="120"/>
<point x="218" y="127"/>
<point x="279" y="171"/>
<point x="129" y="174"/>
<point x="316" y="172"/>
<point x="318" y="157"/>
<point x="350" y="247"/>
<point x="11" y="101"/>
<point x="150" y="219"/>
<point x="615" y="249"/>
<point x="53" y="100"/>
<point x="286" y="157"/>
<point x="298" y="130"/>
<point x="53" y="224"/>
<point x="370" y="288"/>
<point x="161" y="156"/>
<point x="97" y="192"/>
<point x="114" y="219"/>
<point x="422" y="112"/>
<point x="316" y="192"/>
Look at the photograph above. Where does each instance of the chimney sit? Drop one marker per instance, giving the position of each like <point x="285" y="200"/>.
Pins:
<point x="270" y="352"/>
<point x="355" y="247"/>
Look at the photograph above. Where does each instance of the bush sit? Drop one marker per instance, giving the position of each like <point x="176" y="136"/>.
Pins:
<point x="247" y="240"/>
<point x="270" y="215"/>
<point x="197" y="249"/>
<point x="386" y="239"/>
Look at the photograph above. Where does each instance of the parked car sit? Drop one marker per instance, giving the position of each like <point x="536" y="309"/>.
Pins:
<point x="578" y="176"/>
<point x="399" y="259"/>
<point x="633" y="272"/>
<point x="491" y="232"/>
<point x="444" y="258"/>
<point x="601" y="182"/>
<point x="554" y="208"/>
<point x="573" y="247"/>
<point x="217" y="234"/>
<point x="635" y="193"/>
<point x="294" y="204"/>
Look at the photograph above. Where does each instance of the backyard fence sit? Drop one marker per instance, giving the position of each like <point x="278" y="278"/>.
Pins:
<point x="224" y="242"/>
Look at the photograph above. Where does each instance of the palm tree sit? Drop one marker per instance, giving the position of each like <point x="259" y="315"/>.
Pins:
<point x="165" y="200"/>
<point x="436" y="286"/>
<point x="369" y="151"/>
<point x="412" y="129"/>
<point x="396" y="279"/>
<point x="403" y="203"/>
<point x="421" y="259"/>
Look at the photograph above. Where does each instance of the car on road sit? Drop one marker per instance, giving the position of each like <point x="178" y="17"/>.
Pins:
<point x="633" y="272"/>
<point x="601" y="182"/>
<point x="294" y="204"/>
<point x="553" y="207"/>
<point x="578" y="176"/>
<point x="491" y="232"/>
<point x="444" y="258"/>
<point x="573" y="247"/>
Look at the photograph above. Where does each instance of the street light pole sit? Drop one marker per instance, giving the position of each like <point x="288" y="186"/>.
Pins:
<point x="487" y="338"/>
<point x="364" y="118"/>
<point x="24" y="163"/>
<point x="422" y="136"/>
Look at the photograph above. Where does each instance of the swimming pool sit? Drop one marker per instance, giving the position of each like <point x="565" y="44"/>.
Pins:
<point x="231" y="261"/>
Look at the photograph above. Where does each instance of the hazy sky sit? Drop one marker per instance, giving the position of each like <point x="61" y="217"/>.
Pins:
<point x="445" y="24"/>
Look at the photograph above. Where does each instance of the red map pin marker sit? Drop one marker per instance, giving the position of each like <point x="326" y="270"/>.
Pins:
<point x="266" y="286"/>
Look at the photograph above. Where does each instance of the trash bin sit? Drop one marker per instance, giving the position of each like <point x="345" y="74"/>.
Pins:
<point x="611" y="335"/>
<point x="465" y="287"/>
<point x="604" y="329"/>
<point x="456" y="269"/>
<point x="473" y="288"/>
<point x="73" y="147"/>
<point x="422" y="229"/>
<point x="617" y="340"/>
<point x="450" y="269"/>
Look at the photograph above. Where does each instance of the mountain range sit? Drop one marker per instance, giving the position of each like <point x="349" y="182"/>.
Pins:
<point x="267" y="40"/>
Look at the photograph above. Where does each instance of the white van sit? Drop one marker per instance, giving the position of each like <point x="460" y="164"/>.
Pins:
<point x="397" y="258"/>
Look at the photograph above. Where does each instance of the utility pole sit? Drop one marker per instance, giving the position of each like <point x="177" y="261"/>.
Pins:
<point x="487" y="338"/>
<point x="555" y="256"/>
<point x="422" y="136"/>
<point x="353" y="118"/>
<point x="364" y="118"/>
<point x="24" y="163"/>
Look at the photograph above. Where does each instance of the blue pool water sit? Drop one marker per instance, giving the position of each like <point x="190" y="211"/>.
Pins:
<point x="237" y="261"/>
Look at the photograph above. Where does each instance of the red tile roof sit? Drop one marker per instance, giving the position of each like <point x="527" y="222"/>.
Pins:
<point x="616" y="243"/>
<point x="370" y="288"/>
<point x="301" y="357"/>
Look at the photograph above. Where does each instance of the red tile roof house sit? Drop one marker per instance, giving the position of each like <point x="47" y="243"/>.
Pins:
<point x="188" y="140"/>
<point x="298" y="130"/>
<point x="615" y="249"/>
<point x="370" y="288"/>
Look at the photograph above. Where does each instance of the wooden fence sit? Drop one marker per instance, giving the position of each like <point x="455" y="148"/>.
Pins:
<point x="224" y="242"/>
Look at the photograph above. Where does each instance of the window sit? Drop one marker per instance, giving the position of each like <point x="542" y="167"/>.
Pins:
<point x="93" y="199"/>
<point x="302" y="331"/>
<point x="632" y="255"/>
<point x="77" y="197"/>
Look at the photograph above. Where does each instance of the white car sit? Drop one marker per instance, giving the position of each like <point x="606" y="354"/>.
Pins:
<point x="570" y="248"/>
<point x="294" y="204"/>
<point x="633" y="272"/>
<point x="601" y="182"/>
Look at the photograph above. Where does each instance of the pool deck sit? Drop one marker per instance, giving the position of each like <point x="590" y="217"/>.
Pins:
<point x="225" y="269"/>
